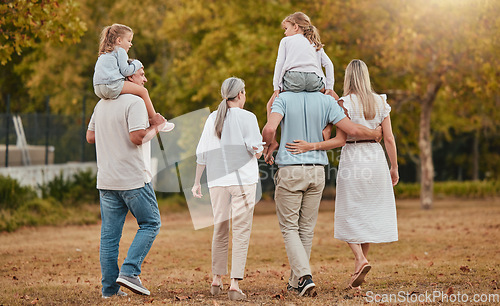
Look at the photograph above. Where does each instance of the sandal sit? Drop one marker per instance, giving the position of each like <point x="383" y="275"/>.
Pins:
<point x="215" y="290"/>
<point x="359" y="277"/>
<point x="236" y="295"/>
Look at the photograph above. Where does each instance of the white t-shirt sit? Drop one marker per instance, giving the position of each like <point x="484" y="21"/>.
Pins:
<point x="121" y="165"/>
<point x="230" y="160"/>
<point x="296" y="53"/>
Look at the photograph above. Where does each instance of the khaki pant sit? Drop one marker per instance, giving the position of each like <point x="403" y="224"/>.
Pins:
<point x="234" y="203"/>
<point x="298" y="195"/>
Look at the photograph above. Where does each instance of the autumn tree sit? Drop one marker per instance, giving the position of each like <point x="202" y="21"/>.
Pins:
<point x="29" y="23"/>
<point x="435" y="45"/>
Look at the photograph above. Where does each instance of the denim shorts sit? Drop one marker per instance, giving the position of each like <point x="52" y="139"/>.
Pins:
<point x="297" y="81"/>
<point x="109" y="91"/>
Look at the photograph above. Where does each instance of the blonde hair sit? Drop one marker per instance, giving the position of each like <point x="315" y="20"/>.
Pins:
<point x="304" y="23"/>
<point x="229" y="90"/>
<point x="357" y="81"/>
<point x="110" y="34"/>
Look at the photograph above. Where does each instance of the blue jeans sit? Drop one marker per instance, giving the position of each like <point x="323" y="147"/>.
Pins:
<point x="115" y="205"/>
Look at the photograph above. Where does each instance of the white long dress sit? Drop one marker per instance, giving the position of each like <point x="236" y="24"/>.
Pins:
<point x="365" y="209"/>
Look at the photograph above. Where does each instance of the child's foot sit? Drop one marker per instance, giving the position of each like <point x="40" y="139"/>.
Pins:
<point x="167" y="127"/>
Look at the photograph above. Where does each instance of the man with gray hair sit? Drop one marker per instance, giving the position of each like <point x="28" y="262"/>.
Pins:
<point x="121" y="132"/>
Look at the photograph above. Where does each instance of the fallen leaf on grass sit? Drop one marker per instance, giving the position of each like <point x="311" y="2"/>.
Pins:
<point x="182" y="298"/>
<point x="449" y="291"/>
<point x="198" y="269"/>
<point x="279" y="297"/>
<point x="430" y="264"/>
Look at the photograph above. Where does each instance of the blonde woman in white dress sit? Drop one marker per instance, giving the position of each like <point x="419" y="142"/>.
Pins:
<point x="365" y="208"/>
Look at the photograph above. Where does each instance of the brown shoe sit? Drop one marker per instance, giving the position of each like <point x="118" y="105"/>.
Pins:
<point x="359" y="277"/>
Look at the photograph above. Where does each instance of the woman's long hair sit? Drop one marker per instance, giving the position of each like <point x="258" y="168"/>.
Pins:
<point x="110" y="34"/>
<point x="357" y="81"/>
<point x="304" y="23"/>
<point x="229" y="90"/>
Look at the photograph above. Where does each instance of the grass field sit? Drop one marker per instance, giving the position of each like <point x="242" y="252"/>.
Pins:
<point x="452" y="249"/>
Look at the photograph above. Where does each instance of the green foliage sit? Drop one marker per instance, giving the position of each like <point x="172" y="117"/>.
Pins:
<point x="12" y="194"/>
<point x="30" y="23"/>
<point x="172" y="202"/>
<point x="467" y="189"/>
<point x="37" y="212"/>
<point x="78" y="189"/>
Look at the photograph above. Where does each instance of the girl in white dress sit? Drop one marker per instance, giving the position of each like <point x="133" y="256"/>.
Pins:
<point x="365" y="209"/>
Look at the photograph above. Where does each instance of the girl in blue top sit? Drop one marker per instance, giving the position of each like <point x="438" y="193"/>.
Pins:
<point x="113" y="66"/>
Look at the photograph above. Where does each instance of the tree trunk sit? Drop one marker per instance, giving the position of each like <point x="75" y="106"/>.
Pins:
<point x="475" y="157"/>
<point x="425" y="146"/>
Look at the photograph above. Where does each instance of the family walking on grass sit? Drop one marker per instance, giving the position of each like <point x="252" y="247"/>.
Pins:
<point x="306" y="108"/>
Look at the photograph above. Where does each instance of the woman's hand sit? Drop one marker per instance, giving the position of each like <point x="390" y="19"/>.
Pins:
<point x="196" y="190"/>
<point x="298" y="146"/>
<point x="257" y="155"/>
<point x="394" y="175"/>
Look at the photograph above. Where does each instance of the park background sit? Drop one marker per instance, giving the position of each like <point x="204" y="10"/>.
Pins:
<point x="437" y="60"/>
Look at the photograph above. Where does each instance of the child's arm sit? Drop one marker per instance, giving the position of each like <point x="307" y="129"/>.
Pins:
<point x="329" y="73"/>
<point x="280" y="62"/>
<point x="127" y="69"/>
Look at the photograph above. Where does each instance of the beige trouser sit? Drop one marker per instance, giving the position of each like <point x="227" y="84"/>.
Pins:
<point x="298" y="195"/>
<point x="236" y="203"/>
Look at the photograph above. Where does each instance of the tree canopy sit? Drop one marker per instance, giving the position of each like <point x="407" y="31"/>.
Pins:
<point x="436" y="59"/>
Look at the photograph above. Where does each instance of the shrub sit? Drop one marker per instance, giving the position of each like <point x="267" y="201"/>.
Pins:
<point x="12" y="194"/>
<point x="467" y="189"/>
<point x="80" y="188"/>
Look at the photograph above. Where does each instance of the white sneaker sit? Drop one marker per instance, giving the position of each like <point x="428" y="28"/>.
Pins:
<point x="132" y="283"/>
<point x="167" y="127"/>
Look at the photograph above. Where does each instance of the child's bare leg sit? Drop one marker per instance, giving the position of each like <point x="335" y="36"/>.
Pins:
<point x="327" y="131"/>
<point x="141" y="91"/>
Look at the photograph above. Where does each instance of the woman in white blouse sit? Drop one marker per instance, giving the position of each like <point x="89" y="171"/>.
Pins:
<point x="229" y="148"/>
